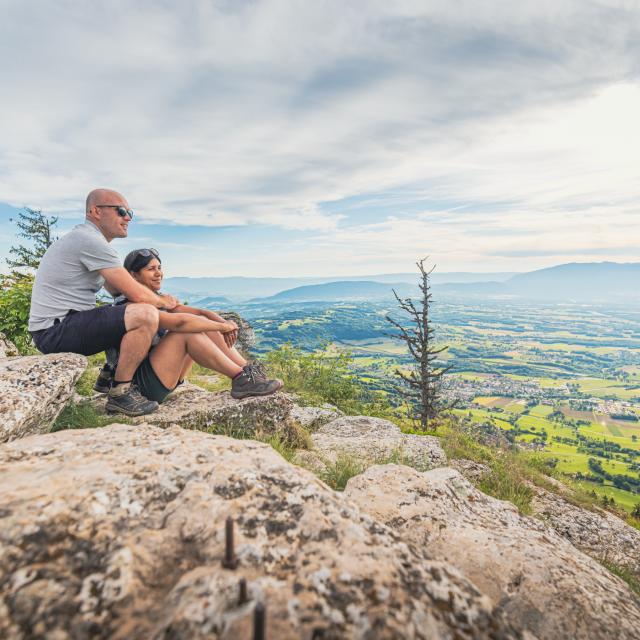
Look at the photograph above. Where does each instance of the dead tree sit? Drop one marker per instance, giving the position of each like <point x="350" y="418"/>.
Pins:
<point x="422" y="386"/>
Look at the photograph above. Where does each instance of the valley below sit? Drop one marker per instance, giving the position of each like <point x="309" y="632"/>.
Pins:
<point x="560" y="379"/>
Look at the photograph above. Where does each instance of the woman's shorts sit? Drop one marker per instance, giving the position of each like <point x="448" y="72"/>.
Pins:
<point x="147" y="381"/>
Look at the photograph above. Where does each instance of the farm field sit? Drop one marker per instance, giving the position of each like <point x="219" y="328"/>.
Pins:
<point x="555" y="378"/>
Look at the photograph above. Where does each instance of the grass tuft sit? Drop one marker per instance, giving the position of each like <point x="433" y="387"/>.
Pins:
<point x="84" y="415"/>
<point x="624" y="573"/>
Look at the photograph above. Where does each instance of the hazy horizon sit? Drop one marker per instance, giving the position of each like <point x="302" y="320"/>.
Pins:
<point x="274" y="138"/>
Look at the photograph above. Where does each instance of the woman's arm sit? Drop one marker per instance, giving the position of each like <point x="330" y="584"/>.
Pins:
<point x="229" y="337"/>
<point x="192" y="323"/>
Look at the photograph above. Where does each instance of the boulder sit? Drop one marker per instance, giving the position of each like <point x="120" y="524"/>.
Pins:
<point x="375" y="439"/>
<point x="7" y="348"/>
<point x="33" y="391"/>
<point x="194" y="408"/>
<point x="470" y="469"/>
<point x="119" y="532"/>
<point x="544" y="584"/>
<point x="312" y="418"/>
<point x="598" y="533"/>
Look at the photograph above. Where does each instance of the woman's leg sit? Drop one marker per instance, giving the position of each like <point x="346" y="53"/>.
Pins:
<point x="217" y="338"/>
<point x="169" y="357"/>
<point x="231" y="352"/>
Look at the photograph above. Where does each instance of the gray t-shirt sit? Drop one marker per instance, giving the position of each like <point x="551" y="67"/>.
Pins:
<point x="68" y="277"/>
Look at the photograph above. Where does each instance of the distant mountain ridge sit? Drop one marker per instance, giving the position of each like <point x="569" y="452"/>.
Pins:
<point x="343" y="290"/>
<point x="579" y="282"/>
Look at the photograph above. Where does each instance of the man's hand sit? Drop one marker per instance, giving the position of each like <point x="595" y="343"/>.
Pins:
<point x="169" y="302"/>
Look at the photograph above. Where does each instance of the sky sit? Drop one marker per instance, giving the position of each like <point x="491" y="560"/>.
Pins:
<point x="296" y="138"/>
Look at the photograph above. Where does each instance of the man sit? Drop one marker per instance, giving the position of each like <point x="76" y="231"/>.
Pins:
<point x="64" y="316"/>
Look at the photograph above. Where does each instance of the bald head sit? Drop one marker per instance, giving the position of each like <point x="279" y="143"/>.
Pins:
<point x="103" y="196"/>
<point x="102" y="211"/>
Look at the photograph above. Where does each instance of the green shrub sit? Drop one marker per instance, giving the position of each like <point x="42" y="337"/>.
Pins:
<point x="324" y="376"/>
<point x="338" y="472"/>
<point x="15" y="303"/>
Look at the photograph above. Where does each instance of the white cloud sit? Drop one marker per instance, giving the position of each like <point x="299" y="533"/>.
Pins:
<point x="517" y="118"/>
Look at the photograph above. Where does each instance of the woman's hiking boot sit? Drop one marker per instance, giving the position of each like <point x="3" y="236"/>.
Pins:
<point x="105" y="378"/>
<point x="127" y="399"/>
<point x="252" y="382"/>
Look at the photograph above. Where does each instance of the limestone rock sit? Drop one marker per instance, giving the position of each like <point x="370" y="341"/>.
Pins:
<point x="118" y="533"/>
<point x="543" y="584"/>
<point x="371" y="439"/>
<point x="312" y="418"/>
<point x="194" y="408"/>
<point x="7" y="348"/>
<point x="470" y="469"/>
<point x="33" y="391"/>
<point x="598" y="533"/>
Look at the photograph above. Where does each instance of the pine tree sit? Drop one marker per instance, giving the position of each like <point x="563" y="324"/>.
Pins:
<point x="37" y="228"/>
<point x="422" y="386"/>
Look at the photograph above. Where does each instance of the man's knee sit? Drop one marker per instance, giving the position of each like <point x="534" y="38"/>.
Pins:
<point x="140" y="315"/>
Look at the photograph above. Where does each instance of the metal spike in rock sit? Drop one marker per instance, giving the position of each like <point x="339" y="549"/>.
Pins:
<point x="230" y="561"/>
<point x="242" y="595"/>
<point x="259" y="621"/>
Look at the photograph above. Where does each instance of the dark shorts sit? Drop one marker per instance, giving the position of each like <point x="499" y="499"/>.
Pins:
<point x="85" y="332"/>
<point x="148" y="382"/>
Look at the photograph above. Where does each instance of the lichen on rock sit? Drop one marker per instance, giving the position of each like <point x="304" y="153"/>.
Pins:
<point x="119" y="533"/>
<point x="33" y="391"/>
<point x="372" y="439"/>
<point x="541" y="582"/>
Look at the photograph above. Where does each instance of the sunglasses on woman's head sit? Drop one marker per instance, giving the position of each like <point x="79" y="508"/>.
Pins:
<point x="120" y="210"/>
<point x="145" y="253"/>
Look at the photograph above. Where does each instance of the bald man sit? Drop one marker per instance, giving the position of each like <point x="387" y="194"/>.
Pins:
<point x="64" y="315"/>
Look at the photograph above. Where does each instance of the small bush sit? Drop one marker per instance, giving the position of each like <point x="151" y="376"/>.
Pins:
<point x="337" y="473"/>
<point x="15" y="304"/>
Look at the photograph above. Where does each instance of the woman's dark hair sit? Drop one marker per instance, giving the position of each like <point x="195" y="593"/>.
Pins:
<point x="139" y="259"/>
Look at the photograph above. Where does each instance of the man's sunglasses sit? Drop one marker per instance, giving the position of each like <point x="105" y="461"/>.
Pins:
<point x="120" y="210"/>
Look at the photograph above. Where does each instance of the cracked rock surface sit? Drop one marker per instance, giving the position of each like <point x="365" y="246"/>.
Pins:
<point x="118" y="532"/>
<point x="195" y="408"/>
<point x="371" y="439"/>
<point x="599" y="533"/>
<point x="34" y="390"/>
<point x="541" y="582"/>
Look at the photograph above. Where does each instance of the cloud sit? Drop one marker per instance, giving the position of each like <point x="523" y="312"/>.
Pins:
<point x="462" y="118"/>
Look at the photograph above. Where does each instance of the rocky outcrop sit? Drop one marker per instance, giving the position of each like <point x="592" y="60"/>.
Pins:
<point x="544" y="585"/>
<point x="194" y="408"/>
<point x="33" y="391"/>
<point x="7" y="348"/>
<point x="118" y="533"/>
<point x="312" y="418"/>
<point x="598" y="533"/>
<point x="374" y="439"/>
<point x="470" y="469"/>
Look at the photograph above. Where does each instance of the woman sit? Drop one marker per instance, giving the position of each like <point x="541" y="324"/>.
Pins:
<point x="185" y="334"/>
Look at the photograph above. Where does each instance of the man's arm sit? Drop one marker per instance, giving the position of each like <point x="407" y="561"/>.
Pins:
<point x="119" y="280"/>
<point x="190" y="323"/>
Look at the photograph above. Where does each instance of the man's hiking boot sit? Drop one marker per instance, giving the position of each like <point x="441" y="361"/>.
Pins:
<point x="105" y="378"/>
<point x="130" y="402"/>
<point x="253" y="382"/>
